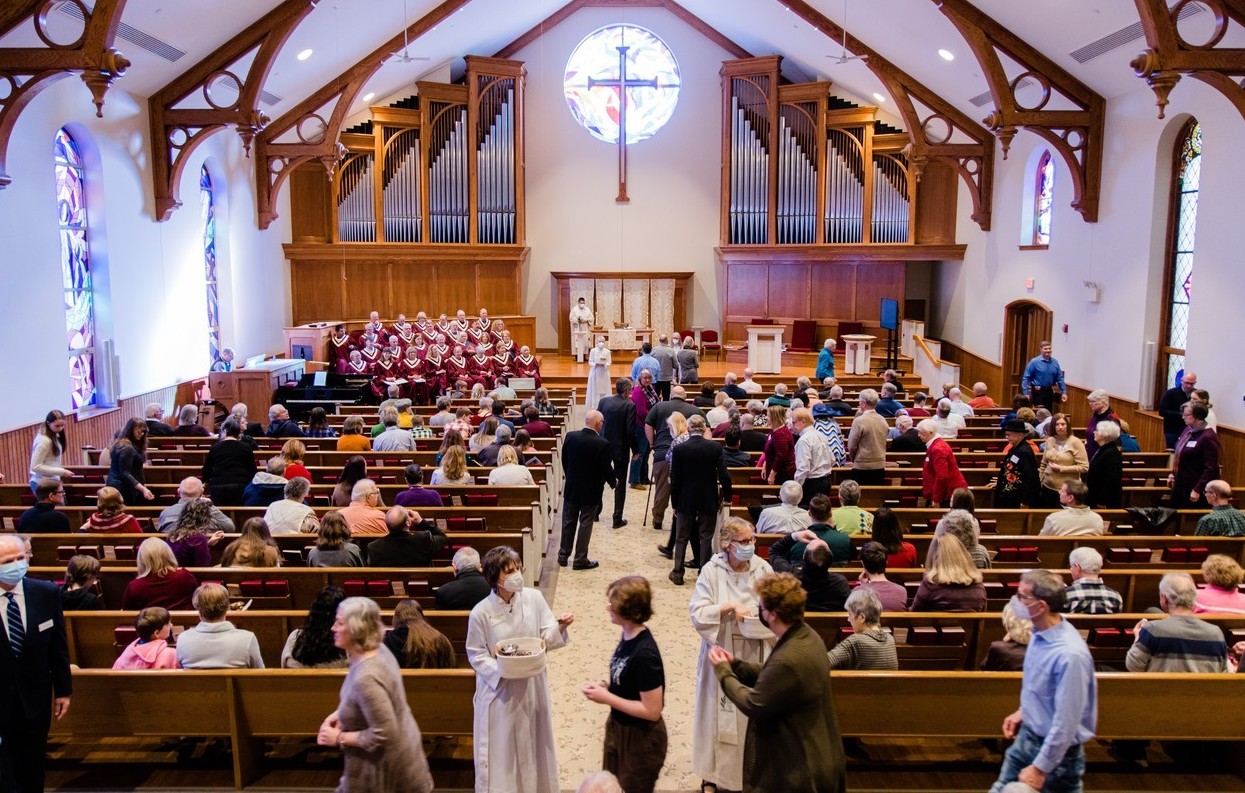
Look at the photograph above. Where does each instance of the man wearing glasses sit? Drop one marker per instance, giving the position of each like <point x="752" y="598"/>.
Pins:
<point x="43" y="518"/>
<point x="1058" y="697"/>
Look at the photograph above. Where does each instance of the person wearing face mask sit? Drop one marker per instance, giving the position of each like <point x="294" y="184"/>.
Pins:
<point x="514" y="741"/>
<point x="724" y="597"/>
<point x="599" y="361"/>
<point x="34" y="665"/>
<point x="1058" y="710"/>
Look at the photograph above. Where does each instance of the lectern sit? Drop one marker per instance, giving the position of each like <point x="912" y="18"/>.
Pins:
<point x="859" y="349"/>
<point x="765" y="348"/>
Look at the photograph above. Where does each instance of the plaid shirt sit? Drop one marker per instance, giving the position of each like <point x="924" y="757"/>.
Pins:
<point x="1224" y="520"/>
<point x="463" y="428"/>
<point x="1091" y="596"/>
<point x="420" y="431"/>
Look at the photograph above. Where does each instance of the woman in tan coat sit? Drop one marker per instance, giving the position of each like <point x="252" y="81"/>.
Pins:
<point x="373" y="725"/>
<point x="1064" y="460"/>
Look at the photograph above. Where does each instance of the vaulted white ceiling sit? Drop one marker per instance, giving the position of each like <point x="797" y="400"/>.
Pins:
<point x="907" y="32"/>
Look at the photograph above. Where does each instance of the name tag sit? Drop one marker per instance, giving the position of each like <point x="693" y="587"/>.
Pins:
<point x="1015" y="460"/>
<point x="43" y="626"/>
<point x="1190" y="444"/>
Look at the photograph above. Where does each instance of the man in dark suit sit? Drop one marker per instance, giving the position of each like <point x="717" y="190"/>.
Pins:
<point x="34" y="667"/>
<point x="694" y="465"/>
<point x="469" y="586"/>
<point x="588" y="469"/>
<point x="619" y="413"/>
<point x="411" y="542"/>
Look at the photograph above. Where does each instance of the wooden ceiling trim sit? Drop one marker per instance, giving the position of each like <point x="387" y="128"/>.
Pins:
<point x="973" y="161"/>
<point x="687" y="17"/>
<point x="275" y="161"/>
<point x="1076" y="135"/>
<point x="1168" y="56"/>
<point x="176" y="133"/>
<point x="28" y="70"/>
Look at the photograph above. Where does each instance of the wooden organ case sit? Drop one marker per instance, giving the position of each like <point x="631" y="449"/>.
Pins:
<point x="425" y="208"/>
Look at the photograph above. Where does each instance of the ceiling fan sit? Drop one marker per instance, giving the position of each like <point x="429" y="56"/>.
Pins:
<point x="405" y="55"/>
<point x="843" y="57"/>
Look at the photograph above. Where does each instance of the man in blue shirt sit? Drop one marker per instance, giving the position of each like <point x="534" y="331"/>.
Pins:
<point x="1043" y="376"/>
<point x="1058" y="696"/>
<point x="825" y="361"/>
<point x="645" y="360"/>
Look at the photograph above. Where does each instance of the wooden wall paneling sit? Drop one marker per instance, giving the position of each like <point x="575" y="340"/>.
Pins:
<point x="936" y="204"/>
<point x="365" y="287"/>
<point x="316" y="290"/>
<point x="974" y="368"/>
<point x="311" y="197"/>
<point x="832" y="292"/>
<point x="413" y="284"/>
<point x="498" y="288"/>
<point x="874" y="282"/>
<point x="747" y="290"/>
<point x="788" y="291"/>
<point x="456" y="286"/>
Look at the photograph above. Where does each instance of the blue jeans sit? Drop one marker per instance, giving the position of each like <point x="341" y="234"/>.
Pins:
<point x="1065" y="778"/>
<point x="639" y="468"/>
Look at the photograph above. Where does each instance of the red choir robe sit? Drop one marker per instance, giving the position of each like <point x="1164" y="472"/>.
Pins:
<point x="397" y="353"/>
<point x="352" y="368"/>
<point x="382" y="371"/>
<point x="478" y="337"/>
<point x="374" y="327"/>
<point x="455" y="370"/>
<point x="502" y="368"/>
<point x="480" y="370"/>
<point x="460" y="326"/>
<point x="405" y="335"/>
<point x="339" y="349"/>
<point x="428" y="330"/>
<point x="527" y="367"/>
<point x="413" y="370"/>
<point x="420" y="346"/>
<point x="370" y="357"/>
<point x="434" y="369"/>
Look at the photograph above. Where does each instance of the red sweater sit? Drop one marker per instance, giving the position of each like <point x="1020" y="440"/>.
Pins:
<point x="941" y="473"/>
<point x="171" y="591"/>
<point x="120" y="523"/>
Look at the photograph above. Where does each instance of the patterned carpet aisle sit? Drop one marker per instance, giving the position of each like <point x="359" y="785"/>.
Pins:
<point x="578" y="723"/>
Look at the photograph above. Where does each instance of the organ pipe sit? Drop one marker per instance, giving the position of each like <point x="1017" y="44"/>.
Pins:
<point x="356" y="208"/>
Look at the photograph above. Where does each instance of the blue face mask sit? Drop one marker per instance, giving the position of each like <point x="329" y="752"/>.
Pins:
<point x="12" y="573"/>
<point x="744" y="553"/>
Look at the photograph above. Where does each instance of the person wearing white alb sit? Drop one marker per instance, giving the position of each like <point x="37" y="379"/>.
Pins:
<point x="814" y="463"/>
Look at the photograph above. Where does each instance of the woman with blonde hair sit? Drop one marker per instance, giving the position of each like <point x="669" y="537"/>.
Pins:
<point x="453" y="470"/>
<point x="373" y="726"/>
<point x="294" y="452"/>
<point x="333" y="545"/>
<point x="779" y="448"/>
<point x="110" y="516"/>
<point x="415" y="643"/>
<point x="952" y="581"/>
<point x="485" y="436"/>
<point x="509" y="471"/>
<point x="159" y="581"/>
<point x="1008" y="654"/>
<point x="352" y="438"/>
<point x="1222" y="594"/>
<point x="723" y="600"/>
<point x="255" y="548"/>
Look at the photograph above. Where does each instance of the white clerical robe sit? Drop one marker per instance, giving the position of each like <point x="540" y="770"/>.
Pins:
<point x="581" y="324"/>
<point x="514" y="744"/>
<point x="599" y="361"/>
<point x="719" y="728"/>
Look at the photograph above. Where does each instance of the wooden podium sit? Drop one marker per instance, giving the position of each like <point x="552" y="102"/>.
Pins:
<point x="314" y="337"/>
<point x="254" y="386"/>
<point x="765" y="348"/>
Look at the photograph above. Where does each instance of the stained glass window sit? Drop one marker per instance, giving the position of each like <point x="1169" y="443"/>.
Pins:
<point x="208" y="206"/>
<point x="609" y="59"/>
<point x="1187" y="175"/>
<point x="1043" y="197"/>
<point x="75" y="269"/>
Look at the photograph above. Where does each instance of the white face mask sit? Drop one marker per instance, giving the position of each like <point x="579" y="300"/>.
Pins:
<point x="1019" y="608"/>
<point x="600" y="345"/>
<point x="513" y="582"/>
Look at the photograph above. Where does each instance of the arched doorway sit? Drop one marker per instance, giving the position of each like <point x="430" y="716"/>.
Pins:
<point x="1026" y="325"/>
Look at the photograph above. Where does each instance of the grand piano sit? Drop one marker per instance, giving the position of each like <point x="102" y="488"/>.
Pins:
<point x="324" y="389"/>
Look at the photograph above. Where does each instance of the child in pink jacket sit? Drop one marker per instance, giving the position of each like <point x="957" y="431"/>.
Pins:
<point x="151" y="649"/>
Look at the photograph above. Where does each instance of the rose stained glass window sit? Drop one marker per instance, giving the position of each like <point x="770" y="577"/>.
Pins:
<point x="208" y="206"/>
<point x="598" y="77"/>
<point x="75" y="269"/>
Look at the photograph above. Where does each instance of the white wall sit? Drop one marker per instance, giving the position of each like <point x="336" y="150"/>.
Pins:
<point x="1124" y="252"/>
<point x="673" y="178"/>
<point x="158" y="309"/>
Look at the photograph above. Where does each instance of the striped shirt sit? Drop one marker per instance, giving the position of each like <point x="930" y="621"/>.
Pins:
<point x="873" y="649"/>
<point x="1180" y="643"/>
<point x="1091" y="596"/>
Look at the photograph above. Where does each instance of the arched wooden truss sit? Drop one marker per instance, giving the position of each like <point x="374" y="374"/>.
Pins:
<point x="1170" y="57"/>
<point x="176" y="132"/>
<point x="931" y="131"/>
<point x="25" y="71"/>
<point x="1077" y="135"/>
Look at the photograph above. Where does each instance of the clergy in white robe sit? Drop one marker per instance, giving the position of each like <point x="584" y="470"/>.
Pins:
<point x="581" y="325"/>
<point x="599" y="384"/>
<point x="513" y="741"/>
<point x="723" y="594"/>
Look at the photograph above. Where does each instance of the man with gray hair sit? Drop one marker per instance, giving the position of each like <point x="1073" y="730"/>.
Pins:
<point x="749" y="385"/>
<point x="958" y="405"/>
<point x="946" y="422"/>
<point x="1182" y="642"/>
<point x="287" y="515"/>
<point x="618" y="412"/>
<point x="156" y="425"/>
<point x="487" y="456"/>
<point x="888" y="407"/>
<point x="190" y="489"/>
<point x="1058" y="710"/>
<point x="665" y="355"/>
<point x="280" y="425"/>
<point x="361" y="515"/>
<point x="786" y="516"/>
<point x="586" y="461"/>
<point x="731" y="387"/>
<point x="393" y="438"/>
<point x="1087" y="594"/>
<point x="695" y="464"/>
<point x="468" y="587"/>
<point x="866" y="442"/>
<point x="266" y="486"/>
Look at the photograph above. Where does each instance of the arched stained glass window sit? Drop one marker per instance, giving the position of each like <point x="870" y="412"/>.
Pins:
<point x="208" y="205"/>
<point x="611" y="59"/>
<point x="1182" y="228"/>
<point x="75" y="269"/>
<point x="1043" y="198"/>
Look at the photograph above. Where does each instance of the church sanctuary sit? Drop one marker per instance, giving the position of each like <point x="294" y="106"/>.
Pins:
<point x="618" y="396"/>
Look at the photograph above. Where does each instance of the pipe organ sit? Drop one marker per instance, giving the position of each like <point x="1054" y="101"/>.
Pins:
<point x="445" y="166"/>
<point x="802" y="168"/>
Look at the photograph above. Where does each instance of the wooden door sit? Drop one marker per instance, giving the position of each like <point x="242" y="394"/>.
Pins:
<point x="1026" y="326"/>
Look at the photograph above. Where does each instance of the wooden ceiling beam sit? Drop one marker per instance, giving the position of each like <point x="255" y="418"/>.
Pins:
<point x="274" y="162"/>
<point x="28" y="70"/>
<point x="1076" y="136"/>
<point x="176" y="133"/>
<point x="1169" y="57"/>
<point x="973" y="161"/>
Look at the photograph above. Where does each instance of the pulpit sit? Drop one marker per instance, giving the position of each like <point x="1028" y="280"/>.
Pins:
<point x="255" y="385"/>
<point x="309" y="342"/>
<point x="765" y="348"/>
<point x="858" y="347"/>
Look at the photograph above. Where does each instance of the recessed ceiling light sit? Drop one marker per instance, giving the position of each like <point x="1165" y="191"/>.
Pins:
<point x="305" y="54"/>
<point x="946" y="55"/>
<point x="368" y="97"/>
<point x="879" y="97"/>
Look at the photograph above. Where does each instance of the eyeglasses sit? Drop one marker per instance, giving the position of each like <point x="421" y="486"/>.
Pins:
<point x="1026" y="597"/>
<point x="752" y="541"/>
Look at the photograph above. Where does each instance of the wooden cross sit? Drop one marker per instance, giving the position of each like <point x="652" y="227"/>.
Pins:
<point x="622" y="83"/>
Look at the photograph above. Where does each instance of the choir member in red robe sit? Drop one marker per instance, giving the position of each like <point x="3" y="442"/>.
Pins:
<point x="404" y="331"/>
<point x="497" y="331"/>
<point x="502" y="366"/>
<point x="434" y="371"/>
<point x="424" y="328"/>
<point x="480" y="370"/>
<point x="396" y="349"/>
<point x="386" y="369"/>
<point x="442" y="326"/>
<point x="420" y="346"/>
<point x="456" y="366"/>
<point x="477" y="338"/>
<point x="461" y="323"/>
<point x="504" y="342"/>
<point x="412" y="369"/>
<point x="355" y="365"/>
<point x="526" y="365"/>
<point x="374" y="324"/>
<point x="339" y="345"/>
<point x="370" y="352"/>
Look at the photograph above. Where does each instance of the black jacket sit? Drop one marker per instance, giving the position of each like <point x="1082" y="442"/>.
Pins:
<point x="1105" y="478"/>
<point x="156" y="427"/>
<point x="826" y="591"/>
<point x="285" y="429"/>
<point x="694" y="466"/>
<point x="229" y="463"/>
<point x="586" y="461"/>
<point x="31" y="680"/>
<point x="406" y="550"/>
<point x="43" y="518"/>
<point x="908" y="442"/>
<point x="463" y="593"/>
<point x="619" y="428"/>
